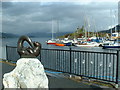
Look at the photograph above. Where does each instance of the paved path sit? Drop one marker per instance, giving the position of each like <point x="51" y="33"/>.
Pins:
<point x="59" y="82"/>
<point x="54" y="81"/>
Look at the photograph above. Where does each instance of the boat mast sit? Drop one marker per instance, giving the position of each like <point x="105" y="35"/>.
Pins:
<point x="114" y="16"/>
<point x="95" y="29"/>
<point x="88" y="26"/>
<point x="85" y="23"/>
<point x="111" y="23"/>
<point x="52" y="29"/>
<point x="57" y="28"/>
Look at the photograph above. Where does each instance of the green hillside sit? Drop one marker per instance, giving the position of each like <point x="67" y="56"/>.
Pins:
<point x="81" y="33"/>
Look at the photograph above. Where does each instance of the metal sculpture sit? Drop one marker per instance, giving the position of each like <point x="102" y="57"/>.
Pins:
<point x="28" y="52"/>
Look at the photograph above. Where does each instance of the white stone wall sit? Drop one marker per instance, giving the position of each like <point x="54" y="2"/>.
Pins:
<point x="29" y="73"/>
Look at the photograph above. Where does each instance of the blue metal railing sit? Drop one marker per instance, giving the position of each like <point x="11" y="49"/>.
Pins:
<point x="91" y="64"/>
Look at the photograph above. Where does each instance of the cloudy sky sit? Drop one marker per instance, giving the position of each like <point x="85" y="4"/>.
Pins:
<point x="21" y="17"/>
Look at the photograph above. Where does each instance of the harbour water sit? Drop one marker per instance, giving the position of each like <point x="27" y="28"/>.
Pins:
<point x="13" y="42"/>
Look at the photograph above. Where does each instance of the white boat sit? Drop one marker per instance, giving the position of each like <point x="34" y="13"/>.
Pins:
<point x="52" y="41"/>
<point x="111" y="45"/>
<point x="114" y="43"/>
<point x="87" y="44"/>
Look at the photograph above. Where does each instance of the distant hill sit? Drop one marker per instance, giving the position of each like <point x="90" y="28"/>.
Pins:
<point x="45" y="34"/>
<point x="80" y="32"/>
<point x="113" y="29"/>
<point x="8" y="35"/>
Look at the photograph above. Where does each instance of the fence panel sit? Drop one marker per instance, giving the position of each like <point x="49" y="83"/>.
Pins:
<point x="11" y="53"/>
<point x="98" y="65"/>
<point x="94" y="65"/>
<point x="56" y="59"/>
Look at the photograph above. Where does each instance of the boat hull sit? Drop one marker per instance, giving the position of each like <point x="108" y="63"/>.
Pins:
<point x="58" y="44"/>
<point x="85" y="45"/>
<point x="68" y="44"/>
<point x="110" y="47"/>
<point x="51" y="43"/>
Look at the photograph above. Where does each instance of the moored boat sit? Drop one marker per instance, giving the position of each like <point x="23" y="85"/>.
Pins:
<point x="68" y="44"/>
<point x="59" y="44"/>
<point x="87" y="44"/>
<point x="110" y="47"/>
<point x="51" y="42"/>
<point x="112" y="44"/>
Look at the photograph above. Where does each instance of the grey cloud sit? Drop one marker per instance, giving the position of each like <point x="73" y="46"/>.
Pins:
<point x="17" y="9"/>
<point x="6" y="5"/>
<point x="33" y="16"/>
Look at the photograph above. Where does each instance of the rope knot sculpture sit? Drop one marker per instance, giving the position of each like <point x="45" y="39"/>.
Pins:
<point x="31" y="51"/>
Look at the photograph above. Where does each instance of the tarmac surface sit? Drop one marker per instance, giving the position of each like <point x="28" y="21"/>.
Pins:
<point x="55" y="80"/>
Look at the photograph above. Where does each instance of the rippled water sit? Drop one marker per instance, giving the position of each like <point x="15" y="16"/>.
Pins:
<point x="13" y="42"/>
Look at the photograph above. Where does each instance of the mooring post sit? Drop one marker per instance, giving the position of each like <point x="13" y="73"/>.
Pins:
<point x="70" y="60"/>
<point x="117" y="68"/>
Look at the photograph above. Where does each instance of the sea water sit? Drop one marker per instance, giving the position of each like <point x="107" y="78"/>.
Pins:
<point x="13" y="42"/>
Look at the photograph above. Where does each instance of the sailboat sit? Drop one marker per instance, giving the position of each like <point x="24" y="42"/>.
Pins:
<point x="113" y="44"/>
<point x="52" y="41"/>
<point x="87" y="42"/>
<point x="116" y="43"/>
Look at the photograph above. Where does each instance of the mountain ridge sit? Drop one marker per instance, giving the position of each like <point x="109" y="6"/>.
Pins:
<point x="8" y="35"/>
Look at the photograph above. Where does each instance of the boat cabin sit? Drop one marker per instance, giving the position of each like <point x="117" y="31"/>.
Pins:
<point x="115" y="35"/>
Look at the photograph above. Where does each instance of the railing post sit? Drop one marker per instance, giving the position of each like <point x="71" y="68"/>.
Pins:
<point x="6" y="53"/>
<point x="70" y="61"/>
<point x="40" y="56"/>
<point x="117" y="68"/>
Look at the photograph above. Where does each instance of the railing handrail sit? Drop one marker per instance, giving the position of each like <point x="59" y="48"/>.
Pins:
<point x="74" y="50"/>
<point x="80" y="51"/>
<point x="11" y="46"/>
<point x="71" y="50"/>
